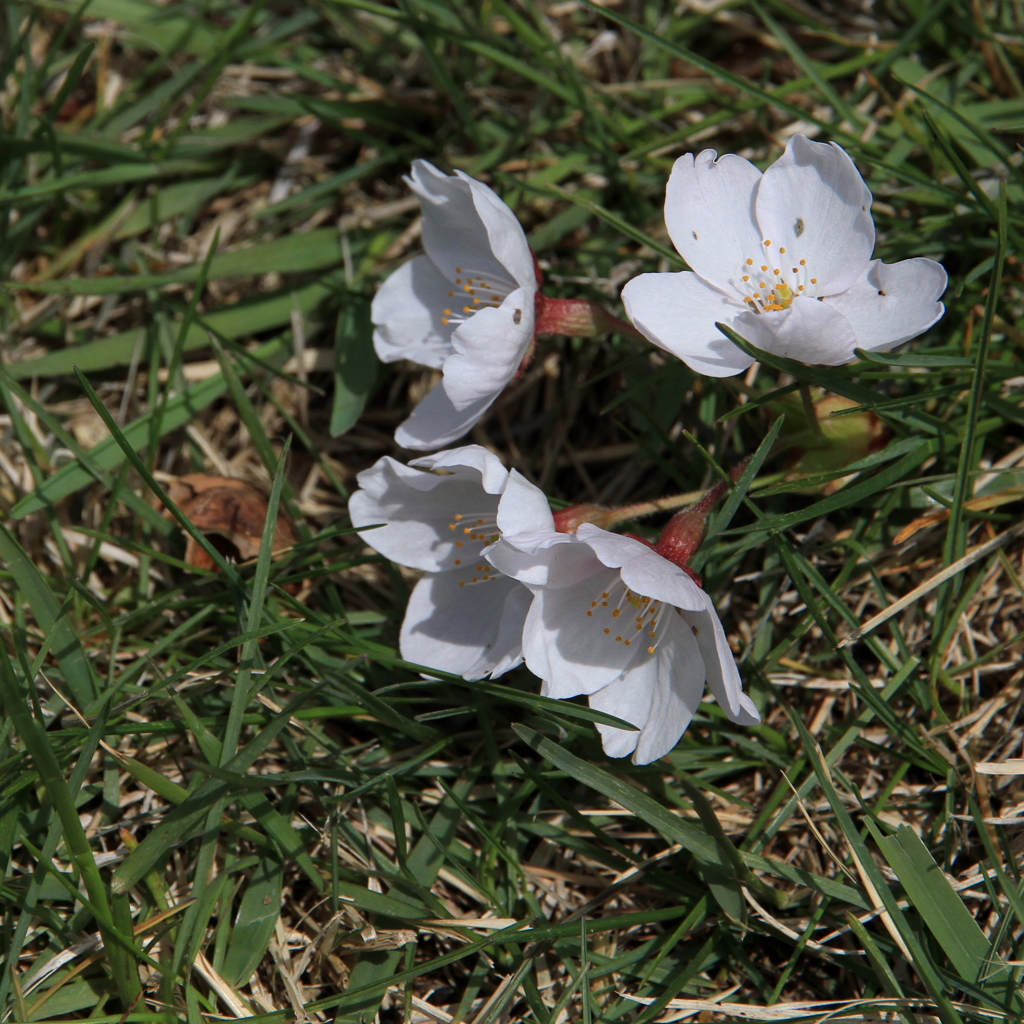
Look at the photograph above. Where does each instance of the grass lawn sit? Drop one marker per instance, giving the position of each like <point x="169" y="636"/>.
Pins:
<point x="223" y="794"/>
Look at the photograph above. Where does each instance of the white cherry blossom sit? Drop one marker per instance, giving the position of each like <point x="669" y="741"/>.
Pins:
<point x="784" y="259"/>
<point x="613" y="619"/>
<point x="466" y="307"/>
<point x="463" y="616"/>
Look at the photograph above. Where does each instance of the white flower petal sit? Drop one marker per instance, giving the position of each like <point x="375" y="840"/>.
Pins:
<point x="644" y="571"/>
<point x="417" y="509"/>
<point x="470" y="630"/>
<point x="455" y="237"/>
<point x="407" y="315"/>
<point x="630" y="698"/>
<point x="613" y="549"/>
<point x="468" y="229"/>
<point x="471" y="462"/>
<point x="678" y="312"/>
<point x="676" y="697"/>
<point x="524" y="507"/>
<point x="723" y="677"/>
<point x="660" y="695"/>
<point x="568" y="650"/>
<point x="892" y="303"/>
<point x="488" y="349"/>
<point x="813" y="203"/>
<point x="435" y="422"/>
<point x="709" y="213"/>
<point x="544" y="559"/>
<point x="809" y="331"/>
<point x="508" y="240"/>
<point x="506" y="651"/>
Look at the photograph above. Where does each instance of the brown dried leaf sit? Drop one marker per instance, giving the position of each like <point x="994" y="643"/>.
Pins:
<point x="981" y="504"/>
<point x="231" y="513"/>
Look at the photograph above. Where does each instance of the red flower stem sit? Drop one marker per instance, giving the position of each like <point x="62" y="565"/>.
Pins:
<point x="648" y="508"/>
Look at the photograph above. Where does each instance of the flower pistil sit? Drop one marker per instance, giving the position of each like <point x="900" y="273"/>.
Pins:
<point x="766" y="289"/>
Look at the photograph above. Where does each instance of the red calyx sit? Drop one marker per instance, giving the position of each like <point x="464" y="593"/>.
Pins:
<point x="686" y="530"/>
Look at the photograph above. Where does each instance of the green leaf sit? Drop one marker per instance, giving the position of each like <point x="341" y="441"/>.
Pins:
<point x="255" y="921"/>
<point x="237" y="321"/>
<point x="942" y="910"/>
<point x="848" y="495"/>
<point x="66" y="646"/>
<point x="184" y="817"/>
<point x="549" y="705"/>
<point x="312" y="250"/>
<point x="719" y="873"/>
<point x="109" y="454"/>
<point x="355" y="364"/>
<point x="123" y="174"/>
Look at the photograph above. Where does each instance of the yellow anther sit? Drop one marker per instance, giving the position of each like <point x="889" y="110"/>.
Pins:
<point x="607" y="631"/>
<point x="750" y="263"/>
<point x="782" y="249"/>
<point x="746" y="277"/>
<point x="458" y="561"/>
<point x="767" y="241"/>
<point x="764" y="267"/>
<point x="814" y="280"/>
<point x="616" y="613"/>
<point x="650" y="650"/>
<point x="803" y="263"/>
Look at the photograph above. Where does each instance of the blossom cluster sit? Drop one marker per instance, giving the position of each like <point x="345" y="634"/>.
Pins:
<point x="782" y="257"/>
